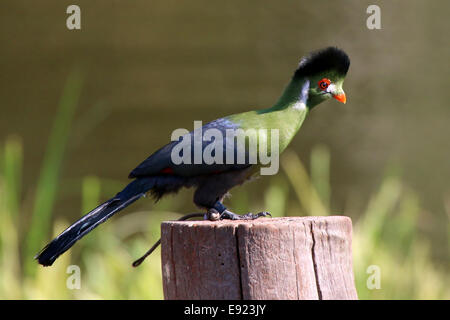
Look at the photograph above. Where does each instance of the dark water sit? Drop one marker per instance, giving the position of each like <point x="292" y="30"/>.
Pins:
<point x="153" y="66"/>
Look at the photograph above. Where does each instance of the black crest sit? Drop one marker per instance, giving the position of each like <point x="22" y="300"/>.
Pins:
<point x="330" y="58"/>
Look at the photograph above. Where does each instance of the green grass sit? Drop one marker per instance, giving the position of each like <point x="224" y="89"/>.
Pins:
<point x="385" y="234"/>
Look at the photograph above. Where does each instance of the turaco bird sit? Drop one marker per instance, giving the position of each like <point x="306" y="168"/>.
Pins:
<point x="318" y="77"/>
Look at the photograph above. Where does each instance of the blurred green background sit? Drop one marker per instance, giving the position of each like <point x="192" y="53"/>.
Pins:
<point x="80" y="109"/>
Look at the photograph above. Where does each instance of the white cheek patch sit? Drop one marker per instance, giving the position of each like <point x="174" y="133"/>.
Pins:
<point x="331" y="88"/>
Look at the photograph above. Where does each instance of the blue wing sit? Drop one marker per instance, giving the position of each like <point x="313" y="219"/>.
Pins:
<point x="161" y="161"/>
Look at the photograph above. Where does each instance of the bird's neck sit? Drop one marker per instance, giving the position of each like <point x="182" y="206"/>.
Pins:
<point x="293" y="96"/>
<point x="289" y="112"/>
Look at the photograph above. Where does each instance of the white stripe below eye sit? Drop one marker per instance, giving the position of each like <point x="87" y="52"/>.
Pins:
<point x="331" y="88"/>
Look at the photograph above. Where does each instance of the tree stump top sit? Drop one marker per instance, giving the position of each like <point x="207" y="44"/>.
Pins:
<point x="267" y="258"/>
<point x="278" y="220"/>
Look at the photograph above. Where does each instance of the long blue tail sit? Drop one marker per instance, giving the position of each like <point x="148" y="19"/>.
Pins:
<point x="88" y="222"/>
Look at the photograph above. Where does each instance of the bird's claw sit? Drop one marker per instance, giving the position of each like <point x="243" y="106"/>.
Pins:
<point x="263" y="214"/>
<point x="249" y="216"/>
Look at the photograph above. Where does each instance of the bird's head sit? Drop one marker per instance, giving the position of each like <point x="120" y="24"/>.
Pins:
<point x="325" y="71"/>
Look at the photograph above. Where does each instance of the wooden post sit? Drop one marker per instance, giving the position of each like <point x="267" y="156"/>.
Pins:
<point x="278" y="258"/>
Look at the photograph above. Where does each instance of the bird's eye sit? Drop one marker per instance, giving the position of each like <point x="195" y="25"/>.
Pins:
<point x="324" y="83"/>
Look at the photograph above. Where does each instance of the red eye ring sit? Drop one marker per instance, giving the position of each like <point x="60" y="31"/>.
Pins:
<point x="324" y="83"/>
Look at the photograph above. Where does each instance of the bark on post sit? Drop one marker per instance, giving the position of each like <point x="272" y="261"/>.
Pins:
<point x="278" y="258"/>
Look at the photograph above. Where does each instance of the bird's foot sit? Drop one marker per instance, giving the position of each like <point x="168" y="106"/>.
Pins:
<point x="249" y="216"/>
<point x="220" y="212"/>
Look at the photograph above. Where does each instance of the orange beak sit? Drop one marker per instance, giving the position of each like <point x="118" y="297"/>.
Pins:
<point x="340" y="97"/>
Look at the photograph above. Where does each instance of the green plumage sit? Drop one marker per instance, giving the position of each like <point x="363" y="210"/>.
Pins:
<point x="287" y="116"/>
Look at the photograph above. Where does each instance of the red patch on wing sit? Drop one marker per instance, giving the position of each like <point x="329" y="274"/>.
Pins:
<point x="167" y="170"/>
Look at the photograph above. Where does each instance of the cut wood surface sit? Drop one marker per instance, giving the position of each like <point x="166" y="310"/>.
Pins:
<point x="278" y="258"/>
